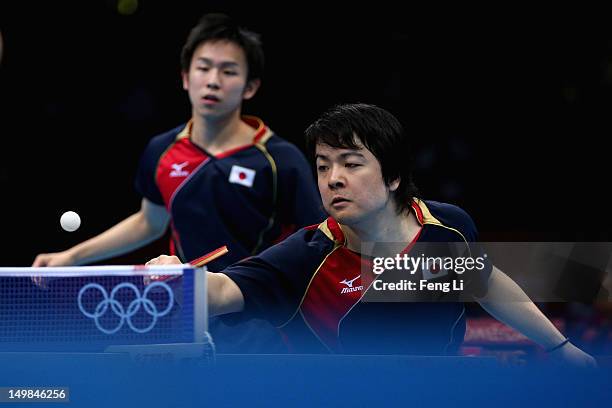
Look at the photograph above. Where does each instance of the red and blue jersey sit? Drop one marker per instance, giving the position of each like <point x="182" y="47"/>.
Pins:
<point x="312" y="286"/>
<point x="247" y="198"/>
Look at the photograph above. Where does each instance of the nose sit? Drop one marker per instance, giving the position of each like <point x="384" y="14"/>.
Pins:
<point x="213" y="81"/>
<point x="336" y="178"/>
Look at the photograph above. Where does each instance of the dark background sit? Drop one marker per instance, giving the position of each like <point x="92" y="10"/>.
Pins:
<point x="509" y="110"/>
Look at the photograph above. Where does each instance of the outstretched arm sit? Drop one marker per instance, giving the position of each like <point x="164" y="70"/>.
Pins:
<point x="223" y="294"/>
<point x="507" y="302"/>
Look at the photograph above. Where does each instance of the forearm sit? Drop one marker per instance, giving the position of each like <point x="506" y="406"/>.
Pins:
<point x="507" y="302"/>
<point x="131" y="233"/>
<point x="224" y="296"/>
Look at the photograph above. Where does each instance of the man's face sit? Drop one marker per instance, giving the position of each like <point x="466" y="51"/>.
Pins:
<point x="217" y="79"/>
<point x="351" y="184"/>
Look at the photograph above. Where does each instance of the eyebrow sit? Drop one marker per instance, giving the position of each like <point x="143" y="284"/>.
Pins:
<point x="222" y="63"/>
<point x="343" y="155"/>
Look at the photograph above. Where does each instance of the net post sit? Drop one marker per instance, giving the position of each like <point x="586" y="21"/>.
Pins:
<point x="200" y="303"/>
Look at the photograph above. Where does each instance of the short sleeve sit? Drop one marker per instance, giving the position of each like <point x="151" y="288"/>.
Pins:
<point x="274" y="282"/>
<point x="299" y="195"/>
<point x="144" y="182"/>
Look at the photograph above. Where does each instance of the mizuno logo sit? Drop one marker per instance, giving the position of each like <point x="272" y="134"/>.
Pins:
<point x="349" y="285"/>
<point x="177" y="170"/>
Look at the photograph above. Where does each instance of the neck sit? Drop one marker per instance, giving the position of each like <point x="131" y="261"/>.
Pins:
<point x="218" y="134"/>
<point x="385" y="227"/>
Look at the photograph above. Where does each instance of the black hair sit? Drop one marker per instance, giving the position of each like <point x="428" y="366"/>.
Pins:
<point x="220" y="27"/>
<point x="348" y="125"/>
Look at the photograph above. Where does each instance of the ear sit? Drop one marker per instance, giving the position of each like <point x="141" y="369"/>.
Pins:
<point x="185" y="78"/>
<point x="395" y="184"/>
<point x="251" y="88"/>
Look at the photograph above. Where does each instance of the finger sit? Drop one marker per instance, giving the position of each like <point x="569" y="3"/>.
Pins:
<point x="152" y="261"/>
<point x="165" y="259"/>
<point x="40" y="281"/>
<point x="172" y="259"/>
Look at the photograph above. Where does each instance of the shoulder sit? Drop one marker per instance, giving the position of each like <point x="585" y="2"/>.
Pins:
<point x="288" y="158"/>
<point x="292" y="260"/>
<point x="161" y="141"/>
<point x="449" y="215"/>
<point x="306" y="244"/>
<point x="156" y="148"/>
<point x="276" y="145"/>
<point x="158" y="145"/>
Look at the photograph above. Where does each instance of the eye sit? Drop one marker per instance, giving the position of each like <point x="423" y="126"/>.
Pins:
<point x="351" y="165"/>
<point x="321" y="168"/>
<point x="203" y="69"/>
<point x="230" y="73"/>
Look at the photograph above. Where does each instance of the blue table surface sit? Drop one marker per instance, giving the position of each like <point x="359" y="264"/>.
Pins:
<point x="118" y="379"/>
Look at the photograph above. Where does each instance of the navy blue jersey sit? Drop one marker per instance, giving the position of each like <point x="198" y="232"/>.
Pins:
<point x="311" y="285"/>
<point x="247" y="199"/>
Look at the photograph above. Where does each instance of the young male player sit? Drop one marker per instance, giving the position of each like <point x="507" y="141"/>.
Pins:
<point x="222" y="178"/>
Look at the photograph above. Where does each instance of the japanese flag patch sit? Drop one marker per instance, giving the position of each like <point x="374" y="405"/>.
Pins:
<point x="242" y="175"/>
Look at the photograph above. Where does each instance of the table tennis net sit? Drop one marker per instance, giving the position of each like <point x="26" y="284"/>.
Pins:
<point x="92" y="307"/>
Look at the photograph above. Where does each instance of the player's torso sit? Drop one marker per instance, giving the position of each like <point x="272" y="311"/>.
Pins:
<point x="333" y="291"/>
<point x="227" y="199"/>
<point x="344" y="319"/>
<point x="338" y="310"/>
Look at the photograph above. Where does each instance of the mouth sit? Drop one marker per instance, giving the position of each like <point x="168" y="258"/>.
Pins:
<point x="211" y="99"/>
<point x="339" y="200"/>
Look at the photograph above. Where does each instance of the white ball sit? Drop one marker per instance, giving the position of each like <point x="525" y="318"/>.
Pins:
<point x="70" y="221"/>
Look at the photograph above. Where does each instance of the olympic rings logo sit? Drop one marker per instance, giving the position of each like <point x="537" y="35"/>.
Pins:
<point x="117" y="308"/>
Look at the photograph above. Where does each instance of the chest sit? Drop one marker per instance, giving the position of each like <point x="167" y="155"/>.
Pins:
<point x="185" y="169"/>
